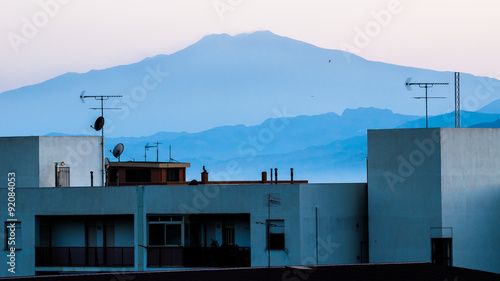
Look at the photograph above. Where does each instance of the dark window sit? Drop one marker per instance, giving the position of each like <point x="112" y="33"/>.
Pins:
<point x="441" y="251"/>
<point x="112" y="175"/>
<point x="157" y="234"/>
<point x="165" y="230"/>
<point x="173" y="234"/>
<point x="13" y="235"/>
<point x="276" y="234"/>
<point x="138" y="175"/>
<point x="172" y="174"/>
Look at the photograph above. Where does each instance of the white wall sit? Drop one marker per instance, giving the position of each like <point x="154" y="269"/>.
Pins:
<point x="471" y="195"/>
<point x="404" y="193"/>
<point x="342" y="222"/>
<point x="81" y="153"/>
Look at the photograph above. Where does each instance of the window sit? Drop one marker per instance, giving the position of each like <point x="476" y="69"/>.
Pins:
<point x="275" y="234"/>
<point x="13" y="235"/>
<point x="138" y="175"/>
<point x="228" y="235"/>
<point x="113" y="175"/>
<point x="165" y="231"/>
<point x="173" y="174"/>
<point x="441" y="251"/>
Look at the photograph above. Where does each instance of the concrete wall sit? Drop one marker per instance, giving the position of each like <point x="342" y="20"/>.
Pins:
<point x="21" y="156"/>
<point x="81" y="153"/>
<point x="236" y="199"/>
<point x="404" y="193"/>
<point x="59" y="201"/>
<point x="33" y="159"/>
<point x="342" y="223"/>
<point x="471" y="195"/>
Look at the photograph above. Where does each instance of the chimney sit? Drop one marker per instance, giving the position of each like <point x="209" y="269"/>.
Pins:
<point x="204" y="176"/>
<point x="264" y="177"/>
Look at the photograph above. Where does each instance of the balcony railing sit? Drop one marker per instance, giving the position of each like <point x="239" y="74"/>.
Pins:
<point x="85" y="256"/>
<point x="225" y="256"/>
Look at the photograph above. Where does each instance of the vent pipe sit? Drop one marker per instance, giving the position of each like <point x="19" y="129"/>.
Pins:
<point x="276" y="175"/>
<point x="91" y="178"/>
<point x="291" y="175"/>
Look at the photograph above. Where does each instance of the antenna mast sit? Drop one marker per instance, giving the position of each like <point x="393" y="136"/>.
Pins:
<point x="146" y="147"/>
<point x="457" y="99"/>
<point x="102" y="99"/>
<point x="425" y="85"/>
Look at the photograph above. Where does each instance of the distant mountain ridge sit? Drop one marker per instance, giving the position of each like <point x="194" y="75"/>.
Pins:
<point x="320" y="148"/>
<point x="224" y="80"/>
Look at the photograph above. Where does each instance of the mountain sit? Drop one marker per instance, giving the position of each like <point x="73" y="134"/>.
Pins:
<point x="320" y="148"/>
<point x="494" y="124"/>
<point x="491" y="108"/>
<point x="227" y="80"/>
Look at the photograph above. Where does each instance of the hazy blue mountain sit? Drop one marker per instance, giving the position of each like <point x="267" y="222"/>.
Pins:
<point x="448" y="120"/>
<point x="492" y="108"/>
<point x="273" y="136"/>
<point x="320" y="148"/>
<point x="494" y="124"/>
<point x="227" y="80"/>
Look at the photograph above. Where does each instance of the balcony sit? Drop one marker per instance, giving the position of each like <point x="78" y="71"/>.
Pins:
<point x="85" y="256"/>
<point x="225" y="256"/>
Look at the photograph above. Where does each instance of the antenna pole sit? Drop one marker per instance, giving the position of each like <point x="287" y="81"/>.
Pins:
<point x="102" y="99"/>
<point x="426" y="86"/>
<point x="426" y="115"/>
<point x="457" y="99"/>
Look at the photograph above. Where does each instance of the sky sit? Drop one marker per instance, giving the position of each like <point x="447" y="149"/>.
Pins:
<point x="43" y="39"/>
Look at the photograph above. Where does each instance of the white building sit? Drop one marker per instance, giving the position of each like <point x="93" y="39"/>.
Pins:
<point x="434" y="195"/>
<point x="36" y="158"/>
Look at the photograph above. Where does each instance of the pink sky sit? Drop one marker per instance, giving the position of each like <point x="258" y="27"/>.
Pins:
<point x="46" y="38"/>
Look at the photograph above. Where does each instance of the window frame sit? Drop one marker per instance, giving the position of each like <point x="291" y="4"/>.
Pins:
<point x="275" y="227"/>
<point x="166" y="220"/>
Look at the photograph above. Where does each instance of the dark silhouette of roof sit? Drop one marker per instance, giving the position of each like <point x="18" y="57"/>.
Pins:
<point x="357" y="272"/>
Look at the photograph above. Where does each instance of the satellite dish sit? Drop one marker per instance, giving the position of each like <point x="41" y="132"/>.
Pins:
<point x="118" y="150"/>
<point x="407" y="84"/>
<point x="81" y="97"/>
<point x="99" y="123"/>
<point x="106" y="163"/>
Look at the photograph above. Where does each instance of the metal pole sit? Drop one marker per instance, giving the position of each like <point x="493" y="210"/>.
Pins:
<point x="102" y="144"/>
<point x="426" y="116"/>
<point x="268" y="230"/>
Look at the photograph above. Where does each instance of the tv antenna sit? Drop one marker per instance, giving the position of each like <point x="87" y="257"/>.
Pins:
<point x="170" y="159"/>
<point x="425" y="85"/>
<point x="146" y="148"/>
<point x="99" y="124"/>
<point x="270" y="200"/>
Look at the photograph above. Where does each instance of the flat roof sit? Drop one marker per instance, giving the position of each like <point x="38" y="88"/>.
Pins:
<point x="134" y="164"/>
<point x="354" y="272"/>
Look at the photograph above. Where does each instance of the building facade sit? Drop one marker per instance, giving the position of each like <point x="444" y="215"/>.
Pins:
<point x="434" y="196"/>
